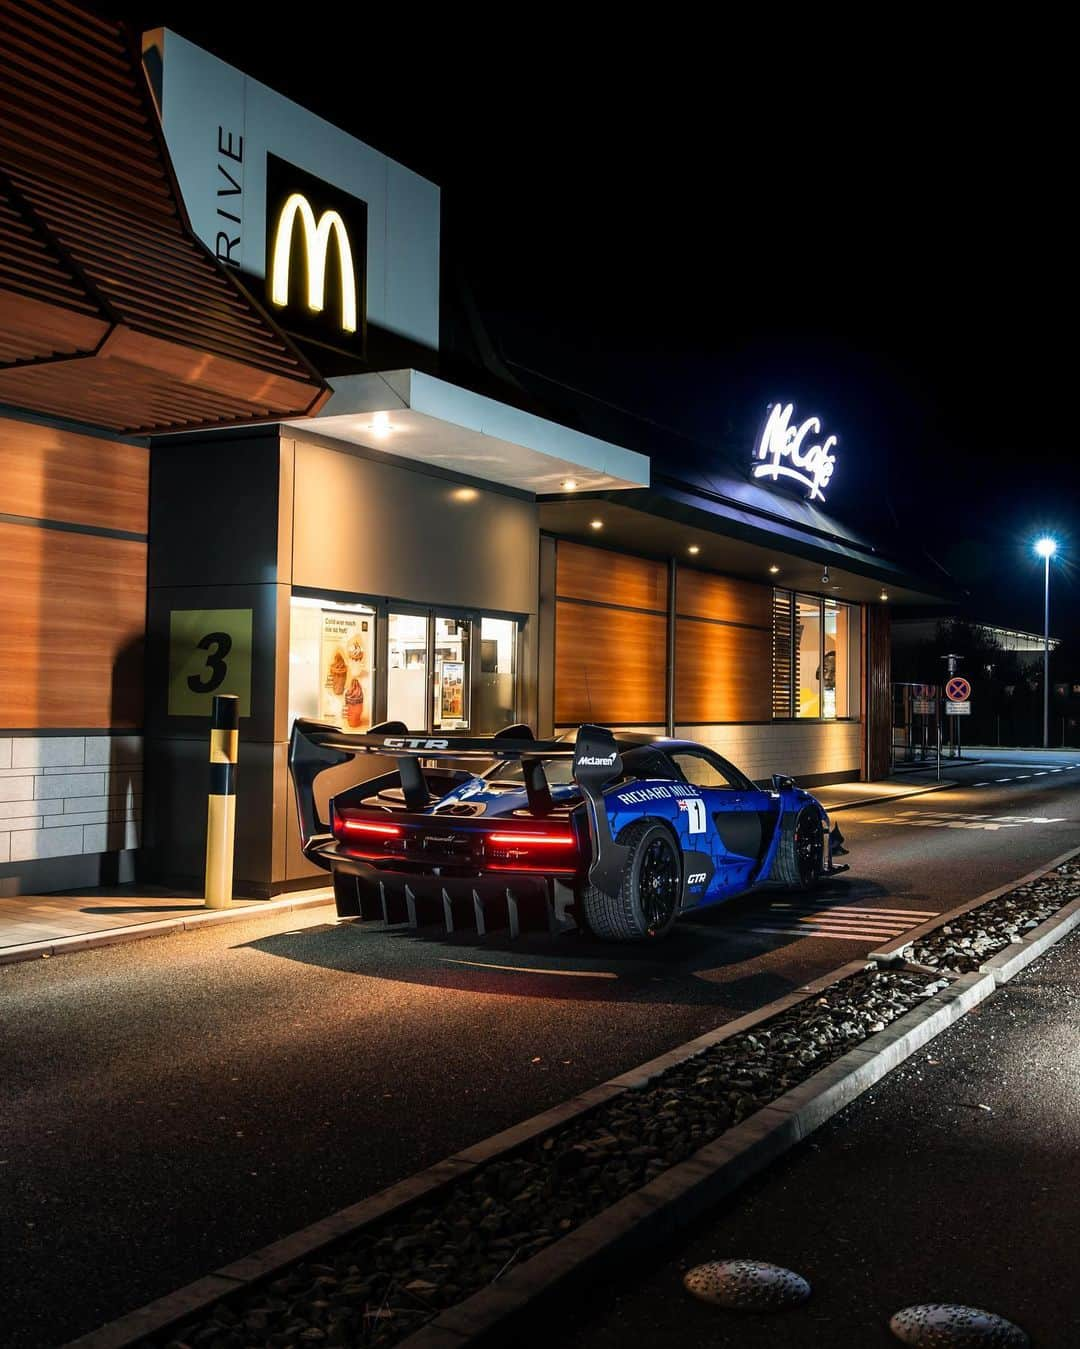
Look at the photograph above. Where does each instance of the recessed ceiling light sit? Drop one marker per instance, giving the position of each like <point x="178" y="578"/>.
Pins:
<point x="464" y="493"/>
<point x="569" y="484"/>
<point x="773" y="569"/>
<point x="836" y="587"/>
<point x="693" y="549"/>
<point x="380" y="424"/>
<point x="883" y="596"/>
<point x="596" y="524"/>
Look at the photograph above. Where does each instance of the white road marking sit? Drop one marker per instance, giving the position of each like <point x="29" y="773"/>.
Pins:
<point x="531" y="969"/>
<point x="982" y="784"/>
<point x="940" y="819"/>
<point x="814" y="932"/>
<point x="1003" y="779"/>
<point x="839" y="922"/>
<point x="859" y="909"/>
<point x="1041" y="774"/>
<point x="1022" y="777"/>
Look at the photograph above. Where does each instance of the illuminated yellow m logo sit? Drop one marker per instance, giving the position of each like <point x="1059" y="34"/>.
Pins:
<point x="316" y="243"/>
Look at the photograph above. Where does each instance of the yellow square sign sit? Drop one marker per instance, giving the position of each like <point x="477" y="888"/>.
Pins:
<point x="209" y="653"/>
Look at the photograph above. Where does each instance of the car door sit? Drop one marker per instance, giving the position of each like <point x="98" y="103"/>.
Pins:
<point x="740" y="818"/>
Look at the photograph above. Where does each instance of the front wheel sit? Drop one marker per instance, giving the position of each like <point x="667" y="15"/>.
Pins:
<point x="800" y="858"/>
<point x="648" y="900"/>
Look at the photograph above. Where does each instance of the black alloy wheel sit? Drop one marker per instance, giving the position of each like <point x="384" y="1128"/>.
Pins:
<point x="809" y="847"/>
<point x="659" y="884"/>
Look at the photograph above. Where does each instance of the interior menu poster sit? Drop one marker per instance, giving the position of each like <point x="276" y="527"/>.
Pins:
<point x="345" y="693"/>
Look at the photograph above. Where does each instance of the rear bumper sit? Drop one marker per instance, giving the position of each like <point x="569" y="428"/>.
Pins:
<point x="419" y="896"/>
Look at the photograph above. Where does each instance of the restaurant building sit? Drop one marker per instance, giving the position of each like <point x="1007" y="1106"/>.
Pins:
<point x="239" y="457"/>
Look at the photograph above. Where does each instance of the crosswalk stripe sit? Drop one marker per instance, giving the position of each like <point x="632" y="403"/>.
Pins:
<point x="818" y="932"/>
<point x="841" y="922"/>
<point x="852" y="909"/>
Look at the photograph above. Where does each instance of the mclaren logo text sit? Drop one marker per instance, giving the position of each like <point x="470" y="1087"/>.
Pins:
<point x="316" y="236"/>
<point x="596" y="761"/>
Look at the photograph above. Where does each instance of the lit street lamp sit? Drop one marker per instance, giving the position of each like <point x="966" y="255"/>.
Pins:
<point x="1046" y="548"/>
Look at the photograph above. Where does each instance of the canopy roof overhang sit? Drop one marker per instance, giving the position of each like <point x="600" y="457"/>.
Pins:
<point x="427" y="420"/>
<point x="112" y="313"/>
<point x="667" y="523"/>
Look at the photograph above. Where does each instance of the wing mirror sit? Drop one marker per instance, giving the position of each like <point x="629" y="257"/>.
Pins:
<point x="781" y="782"/>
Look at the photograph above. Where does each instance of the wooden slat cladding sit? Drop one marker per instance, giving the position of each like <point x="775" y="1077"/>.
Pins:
<point x="702" y="594"/>
<point x="609" y="665"/>
<point x="154" y="334"/>
<point x="721" y="673"/>
<point x="610" y="578"/>
<point x="51" y="474"/>
<point x="878" y="692"/>
<point x="72" y="617"/>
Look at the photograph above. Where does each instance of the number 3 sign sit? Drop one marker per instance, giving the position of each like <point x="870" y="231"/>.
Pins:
<point x="209" y="652"/>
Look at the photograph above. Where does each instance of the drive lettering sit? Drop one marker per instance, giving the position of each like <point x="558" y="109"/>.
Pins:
<point x="226" y="240"/>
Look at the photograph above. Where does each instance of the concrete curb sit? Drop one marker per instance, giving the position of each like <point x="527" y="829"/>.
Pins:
<point x="893" y="796"/>
<point x="160" y="927"/>
<point x="658" y="1210"/>
<point x="889" y="954"/>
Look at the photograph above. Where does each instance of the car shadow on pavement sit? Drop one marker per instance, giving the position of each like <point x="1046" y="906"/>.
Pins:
<point x="710" y="959"/>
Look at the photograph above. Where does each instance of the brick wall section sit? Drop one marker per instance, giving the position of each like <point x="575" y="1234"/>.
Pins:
<point x="66" y="795"/>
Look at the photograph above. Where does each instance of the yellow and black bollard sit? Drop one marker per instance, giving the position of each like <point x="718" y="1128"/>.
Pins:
<point x="221" y="811"/>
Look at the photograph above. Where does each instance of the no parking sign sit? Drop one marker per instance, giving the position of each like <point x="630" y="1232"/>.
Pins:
<point x="958" y="695"/>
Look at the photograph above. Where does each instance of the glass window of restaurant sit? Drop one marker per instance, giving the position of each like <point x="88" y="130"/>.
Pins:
<point x="361" y="663"/>
<point x="815" y="658"/>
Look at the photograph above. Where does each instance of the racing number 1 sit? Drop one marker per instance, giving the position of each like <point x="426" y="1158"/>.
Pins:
<point x="215" y="662"/>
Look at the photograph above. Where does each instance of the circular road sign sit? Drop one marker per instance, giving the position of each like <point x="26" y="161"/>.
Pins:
<point x="957" y="690"/>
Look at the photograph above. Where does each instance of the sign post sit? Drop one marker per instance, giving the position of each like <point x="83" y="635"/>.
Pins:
<point x="958" y="702"/>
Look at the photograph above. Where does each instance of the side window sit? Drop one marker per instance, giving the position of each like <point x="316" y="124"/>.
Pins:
<point x="700" y="771"/>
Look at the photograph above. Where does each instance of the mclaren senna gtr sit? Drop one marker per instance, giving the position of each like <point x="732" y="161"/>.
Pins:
<point x="612" y="832"/>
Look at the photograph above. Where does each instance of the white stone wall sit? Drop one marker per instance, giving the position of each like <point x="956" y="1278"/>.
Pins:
<point x="799" y="749"/>
<point x="66" y="795"/>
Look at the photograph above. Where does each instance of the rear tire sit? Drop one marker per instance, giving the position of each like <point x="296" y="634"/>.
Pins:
<point x="647" y="904"/>
<point x="800" y="858"/>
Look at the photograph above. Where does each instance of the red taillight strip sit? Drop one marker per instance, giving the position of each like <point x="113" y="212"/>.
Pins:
<point x="548" y="840"/>
<point x="362" y="827"/>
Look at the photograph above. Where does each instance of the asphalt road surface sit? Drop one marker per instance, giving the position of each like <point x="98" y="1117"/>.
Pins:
<point x="169" y="1105"/>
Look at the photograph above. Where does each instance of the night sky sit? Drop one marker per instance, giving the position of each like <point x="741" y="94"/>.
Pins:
<point x="692" y="223"/>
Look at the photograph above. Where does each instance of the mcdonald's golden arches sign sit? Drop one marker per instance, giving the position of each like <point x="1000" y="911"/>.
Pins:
<point x="316" y="258"/>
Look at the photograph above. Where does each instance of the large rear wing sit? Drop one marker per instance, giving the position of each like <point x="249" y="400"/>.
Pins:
<point x="316" y="746"/>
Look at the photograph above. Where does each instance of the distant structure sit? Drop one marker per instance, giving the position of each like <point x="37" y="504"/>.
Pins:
<point x="919" y="632"/>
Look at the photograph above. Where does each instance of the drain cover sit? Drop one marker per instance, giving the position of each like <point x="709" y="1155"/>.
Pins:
<point x="746" y="1285"/>
<point x="939" y="1326"/>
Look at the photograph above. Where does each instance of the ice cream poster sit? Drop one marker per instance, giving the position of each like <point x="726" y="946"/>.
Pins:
<point x="345" y="690"/>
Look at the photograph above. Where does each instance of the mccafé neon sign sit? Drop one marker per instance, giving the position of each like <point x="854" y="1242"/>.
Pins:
<point x="316" y="236"/>
<point x="783" y="451"/>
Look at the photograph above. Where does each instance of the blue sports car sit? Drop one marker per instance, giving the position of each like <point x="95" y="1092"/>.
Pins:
<point x="617" y="833"/>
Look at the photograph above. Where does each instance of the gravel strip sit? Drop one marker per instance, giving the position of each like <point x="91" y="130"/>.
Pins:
<point x="966" y="942"/>
<point x="377" y="1287"/>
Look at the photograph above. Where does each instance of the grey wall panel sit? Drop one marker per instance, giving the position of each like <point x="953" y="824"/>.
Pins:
<point x="214" y="507"/>
<point x="373" y="528"/>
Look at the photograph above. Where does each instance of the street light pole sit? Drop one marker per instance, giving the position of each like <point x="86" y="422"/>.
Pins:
<point x="1046" y="548"/>
<point x="1046" y="655"/>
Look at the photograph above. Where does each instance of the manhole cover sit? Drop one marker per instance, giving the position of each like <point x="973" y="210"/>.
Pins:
<point x="939" y="1326"/>
<point x="746" y="1285"/>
